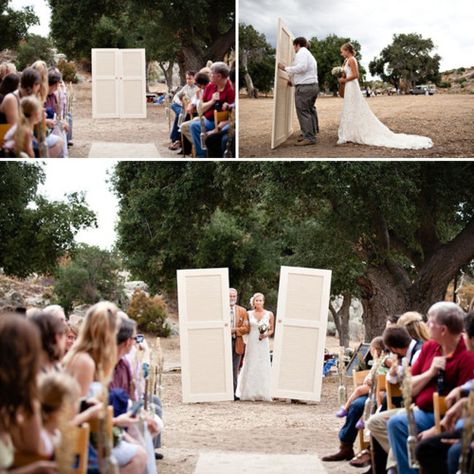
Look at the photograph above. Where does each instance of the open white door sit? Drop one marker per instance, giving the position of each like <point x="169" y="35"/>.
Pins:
<point x="133" y="84"/>
<point x="205" y="338"/>
<point x="118" y="83"/>
<point x="105" y="83"/>
<point x="300" y="333"/>
<point x="283" y="95"/>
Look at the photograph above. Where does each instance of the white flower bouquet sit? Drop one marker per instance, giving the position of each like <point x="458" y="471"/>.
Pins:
<point x="263" y="327"/>
<point x="337" y="71"/>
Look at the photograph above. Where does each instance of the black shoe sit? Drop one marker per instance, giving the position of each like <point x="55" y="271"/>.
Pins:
<point x="236" y="398"/>
<point x="158" y="456"/>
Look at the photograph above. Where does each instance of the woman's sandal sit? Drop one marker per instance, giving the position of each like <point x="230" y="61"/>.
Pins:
<point x="362" y="459"/>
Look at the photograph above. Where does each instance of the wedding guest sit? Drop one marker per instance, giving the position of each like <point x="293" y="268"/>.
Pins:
<point x="6" y="69"/>
<point x="217" y="93"/>
<point x="188" y="92"/>
<point x="304" y="76"/>
<point x="21" y="428"/>
<point x="9" y="85"/>
<point x="57" y="311"/>
<point x="254" y="380"/>
<point x="239" y="323"/>
<point x="414" y="324"/>
<point x="20" y="141"/>
<point x="444" y="363"/>
<point x="52" y="331"/>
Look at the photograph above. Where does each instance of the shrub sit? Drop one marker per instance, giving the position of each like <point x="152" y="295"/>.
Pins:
<point x="150" y="313"/>
<point x="444" y="85"/>
<point x="34" y="48"/>
<point x="68" y="70"/>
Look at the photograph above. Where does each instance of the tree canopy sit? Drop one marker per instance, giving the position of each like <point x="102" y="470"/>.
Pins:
<point x="14" y="24"/>
<point x="35" y="232"/>
<point x="394" y="234"/>
<point x="408" y="58"/>
<point x="186" y="32"/>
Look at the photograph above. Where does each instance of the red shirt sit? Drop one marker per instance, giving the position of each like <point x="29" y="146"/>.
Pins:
<point x="122" y="377"/>
<point x="227" y="95"/>
<point x="459" y="369"/>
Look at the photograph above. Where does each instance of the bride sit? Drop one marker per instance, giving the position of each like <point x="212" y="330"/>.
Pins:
<point x="254" y="380"/>
<point x="358" y="122"/>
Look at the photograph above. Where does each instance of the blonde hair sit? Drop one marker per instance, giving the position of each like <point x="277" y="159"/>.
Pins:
<point x="5" y="69"/>
<point x="42" y="68"/>
<point x="349" y="47"/>
<point x="57" y="391"/>
<point x="256" y="295"/>
<point x="414" y="324"/>
<point x="29" y="106"/>
<point x="97" y="337"/>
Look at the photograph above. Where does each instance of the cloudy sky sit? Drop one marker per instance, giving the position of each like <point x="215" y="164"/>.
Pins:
<point x="90" y="176"/>
<point x="42" y="10"/>
<point x="372" y="23"/>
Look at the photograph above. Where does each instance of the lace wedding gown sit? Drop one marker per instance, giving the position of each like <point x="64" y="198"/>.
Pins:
<point x="254" y="379"/>
<point x="360" y="125"/>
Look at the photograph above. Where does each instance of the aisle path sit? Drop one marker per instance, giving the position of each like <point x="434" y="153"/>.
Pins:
<point x="123" y="150"/>
<point x="251" y="463"/>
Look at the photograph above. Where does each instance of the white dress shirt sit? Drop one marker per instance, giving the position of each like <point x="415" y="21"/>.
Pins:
<point x="304" y="69"/>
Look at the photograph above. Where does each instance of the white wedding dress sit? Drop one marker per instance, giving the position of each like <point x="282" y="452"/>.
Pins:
<point x="254" y="378"/>
<point x="360" y="125"/>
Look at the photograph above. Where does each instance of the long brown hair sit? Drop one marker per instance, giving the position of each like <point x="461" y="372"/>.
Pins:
<point x="20" y="350"/>
<point x="97" y="337"/>
<point x="349" y="47"/>
<point x="414" y="324"/>
<point x="29" y="106"/>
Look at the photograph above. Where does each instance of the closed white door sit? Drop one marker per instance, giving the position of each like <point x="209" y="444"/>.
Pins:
<point x="105" y="83"/>
<point x="205" y="337"/>
<point x="283" y="95"/>
<point x="300" y="333"/>
<point x="118" y="83"/>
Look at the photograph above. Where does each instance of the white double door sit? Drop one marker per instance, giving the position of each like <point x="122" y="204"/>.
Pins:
<point x="205" y="337"/>
<point x="118" y="83"/>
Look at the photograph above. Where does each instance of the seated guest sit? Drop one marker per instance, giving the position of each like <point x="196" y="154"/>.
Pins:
<point x="414" y="324"/>
<point x="20" y="141"/>
<point x="443" y="364"/>
<point x="6" y="69"/>
<point x="71" y="335"/>
<point x="188" y="91"/>
<point x="354" y="409"/>
<point x="53" y="341"/>
<point x="91" y="361"/>
<point x="201" y="80"/>
<point x="439" y="453"/>
<point x="399" y="342"/>
<point x="9" y="85"/>
<point x="21" y="428"/>
<point x="216" y="94"/>
<point x="30" y="83"/>
<point x="57" y="311"/>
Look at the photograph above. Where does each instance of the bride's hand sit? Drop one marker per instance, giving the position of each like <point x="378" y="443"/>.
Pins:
<point x="342" y="80"/>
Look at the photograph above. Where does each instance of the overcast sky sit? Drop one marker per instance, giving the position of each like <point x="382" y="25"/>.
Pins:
<point x="372" y="23"/>
<point x="91" y="176"/>
<point x="42" y="10"/>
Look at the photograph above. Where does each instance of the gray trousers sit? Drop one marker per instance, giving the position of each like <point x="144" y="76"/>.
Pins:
<point x="236" y="358"/>
<point x="305" y="98"/>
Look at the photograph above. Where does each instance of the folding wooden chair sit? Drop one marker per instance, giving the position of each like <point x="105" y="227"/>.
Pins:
<point x="94" y="424"/>
<point x="439" y="409"/>
<point x="358" y="378"/>
<point x="380" y="389"/>
<point x="82" y="448"/>
<point x="4" y="127"/>
<point x="393" y="390"/>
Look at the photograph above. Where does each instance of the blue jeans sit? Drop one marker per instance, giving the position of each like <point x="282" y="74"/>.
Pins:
<point x="348" y="433"/>
<point x="195" y="129"/>
<point x="177" y="109"/>
<point x="398" y="434"/>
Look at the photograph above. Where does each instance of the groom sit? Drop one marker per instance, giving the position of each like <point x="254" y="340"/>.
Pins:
<point x="304" y="74"/>
<point x="239" y="321"/>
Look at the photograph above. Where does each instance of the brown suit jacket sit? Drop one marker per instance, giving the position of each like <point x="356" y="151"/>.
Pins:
<point x="242" y="327"/>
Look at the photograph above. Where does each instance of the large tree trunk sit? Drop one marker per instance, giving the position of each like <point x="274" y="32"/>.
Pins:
<point x="251" y="92"/>
<point x="168" y="72"/>
<point x="341" y="319"/>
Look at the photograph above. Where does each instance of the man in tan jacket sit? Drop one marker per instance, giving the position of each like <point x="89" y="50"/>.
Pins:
<point x="239" y="321"/>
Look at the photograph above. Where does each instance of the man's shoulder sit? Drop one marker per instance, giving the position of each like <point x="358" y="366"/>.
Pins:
<point x="240" y="308"/>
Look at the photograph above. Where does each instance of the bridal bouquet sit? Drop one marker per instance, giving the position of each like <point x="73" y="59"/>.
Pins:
<point x="262" y="327"/>
<point x="337" y="71"/>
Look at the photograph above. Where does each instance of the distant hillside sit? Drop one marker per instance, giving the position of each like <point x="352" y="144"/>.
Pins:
<point x="458" y="81"/>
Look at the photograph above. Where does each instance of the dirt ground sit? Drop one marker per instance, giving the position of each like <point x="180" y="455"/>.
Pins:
<point x="447" y="119"/>
<point x="256" y="427"/>
<point x="153" y="129"/>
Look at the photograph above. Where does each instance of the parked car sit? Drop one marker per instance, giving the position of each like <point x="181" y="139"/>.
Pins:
<point x="423" y="90"/>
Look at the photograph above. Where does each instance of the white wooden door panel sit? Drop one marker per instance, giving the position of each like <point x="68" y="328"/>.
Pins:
<point x="118" y="83"/>
<point x="283" y="95"/>
<point x="205" y="338"/>
<point x="301" y="322"/>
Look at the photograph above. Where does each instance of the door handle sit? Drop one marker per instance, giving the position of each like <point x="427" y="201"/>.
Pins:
<point x="226" y="325"/>
<point x="279" y="320"/>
